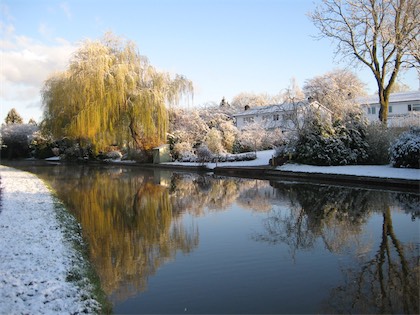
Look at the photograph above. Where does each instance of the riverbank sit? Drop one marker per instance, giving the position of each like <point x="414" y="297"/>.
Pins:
<point x="40" y="270"/>
<point x="369" y="176"/>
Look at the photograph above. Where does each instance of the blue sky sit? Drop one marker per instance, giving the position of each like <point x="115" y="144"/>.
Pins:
<point x="224" y="46"/>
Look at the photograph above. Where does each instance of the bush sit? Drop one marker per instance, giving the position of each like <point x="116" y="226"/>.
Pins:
<point x="204" y="154"/>
<point x="340" y="143"/>
<point x="378" y="138"/>
<point x="16" y="139"/>
<point x="183" y="151"/>
<point x="405" y="151"/>
<point x="114" y="155"/>
<point x="43" y="146"/>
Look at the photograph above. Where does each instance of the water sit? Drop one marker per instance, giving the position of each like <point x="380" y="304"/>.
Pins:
<point x="165" y="242"/>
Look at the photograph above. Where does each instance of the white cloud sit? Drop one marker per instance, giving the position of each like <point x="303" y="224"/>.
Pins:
<point x="25" y="65"/>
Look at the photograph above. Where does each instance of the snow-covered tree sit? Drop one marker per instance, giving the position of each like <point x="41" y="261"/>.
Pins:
<point x="187" y="130"/>
<point x="242" y="99"/>
<point x="381" y="35"/>
<point x="335" y="90"/>
<point x="292" y="94"/>
<point x="213" y="141"/>
<point x="251" y="137"/>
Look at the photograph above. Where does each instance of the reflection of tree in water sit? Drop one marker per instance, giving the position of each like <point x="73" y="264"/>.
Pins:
<point x="129" y="225"/>
<point x="331" y="213"/>
<point x="386" y="283"/>
<point x="194" y="193"/>
<point x="258" y="196"/>
<point x="410" y="203"/>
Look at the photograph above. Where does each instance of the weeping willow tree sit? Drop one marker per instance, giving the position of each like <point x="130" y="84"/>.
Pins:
<point x="111" y="94"/>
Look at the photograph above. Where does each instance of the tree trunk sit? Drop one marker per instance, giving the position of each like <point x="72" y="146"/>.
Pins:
<point x="134" y="134"/>
<point x="384" y="105"/>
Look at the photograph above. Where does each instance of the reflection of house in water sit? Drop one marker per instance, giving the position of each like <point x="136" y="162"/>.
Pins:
<point x="162" y="177"/>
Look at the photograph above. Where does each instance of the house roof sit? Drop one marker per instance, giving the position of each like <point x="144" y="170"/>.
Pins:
<point x="274" y="108"/>
<point x="393" y="98"/>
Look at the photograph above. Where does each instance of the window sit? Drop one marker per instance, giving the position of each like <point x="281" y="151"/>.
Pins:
<point x="248" y="120"/>
<point x="276" y="117"/>
<point x="371" y="110"/>
<point x="390" y="109"/>
<point x="413" y="107"/>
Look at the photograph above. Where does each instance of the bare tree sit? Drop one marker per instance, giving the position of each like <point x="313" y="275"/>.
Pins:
<point x="380" y="34"/>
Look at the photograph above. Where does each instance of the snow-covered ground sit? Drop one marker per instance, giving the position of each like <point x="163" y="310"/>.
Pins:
<point x="263" y="158"/>
<point x="36" y="259"/>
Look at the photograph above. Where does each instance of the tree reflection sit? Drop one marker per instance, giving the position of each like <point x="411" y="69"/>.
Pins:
<point x="329" y="213"/>
<point x="196" y="194"/>
<point x="129" y="224"/>
<point x="389" y="281"/>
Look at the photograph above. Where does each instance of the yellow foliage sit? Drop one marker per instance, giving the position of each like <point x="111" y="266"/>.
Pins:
<point x="108" y="90"/>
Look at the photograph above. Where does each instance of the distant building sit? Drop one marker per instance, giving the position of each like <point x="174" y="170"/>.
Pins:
<point x="404" y="108"/>
<point x="161" y="154"/>
<point x="279" y="116"/>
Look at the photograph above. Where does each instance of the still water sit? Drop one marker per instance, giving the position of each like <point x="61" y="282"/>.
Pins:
<point x="171" y="242"/>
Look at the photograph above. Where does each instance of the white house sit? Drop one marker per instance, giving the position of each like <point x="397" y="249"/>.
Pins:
<point x="404" y="108"/>
<point x="283" y="116"/>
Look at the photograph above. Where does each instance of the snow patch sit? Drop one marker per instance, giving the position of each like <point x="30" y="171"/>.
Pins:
<point x="35" y="258"/>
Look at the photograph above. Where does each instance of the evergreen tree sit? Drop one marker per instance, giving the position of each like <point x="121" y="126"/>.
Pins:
<point x="13" y="117"/>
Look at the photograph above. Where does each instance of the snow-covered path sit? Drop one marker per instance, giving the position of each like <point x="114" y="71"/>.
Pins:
<point x="35" y="257"/>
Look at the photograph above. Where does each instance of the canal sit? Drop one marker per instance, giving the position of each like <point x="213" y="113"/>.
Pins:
<point x="178" y="242"/>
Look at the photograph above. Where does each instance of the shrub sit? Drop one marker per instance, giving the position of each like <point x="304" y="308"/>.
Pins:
<point x="16" y="139"/>
<point x="405" y="151"/>
<point x="378" y="138"/>
<point x="114" y="155"/>
<point x="204" y="154"/>
<point x="340" y="143"/>
<point x="183" y="151"/>
<point x="42" y="146"/>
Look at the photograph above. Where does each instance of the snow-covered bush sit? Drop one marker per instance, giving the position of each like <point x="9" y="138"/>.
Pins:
<point x="324" y="143"/>
<point x="378" y="138"/>
<point x="250" y="138"/>
<point x="114" y="155"/>
<point x="405" y="151"/>
<point x="16" y="139"/>
<point x="204" y="154"/>
<point x="183" y="151"/>
<point x="214" y="141"/>
<point x="42" y="146"/>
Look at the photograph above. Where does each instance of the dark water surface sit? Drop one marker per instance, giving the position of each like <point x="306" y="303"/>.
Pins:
<point x="167" y="242"/>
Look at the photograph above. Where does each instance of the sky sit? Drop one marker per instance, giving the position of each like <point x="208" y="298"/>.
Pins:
<point x="225" y="47"/>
